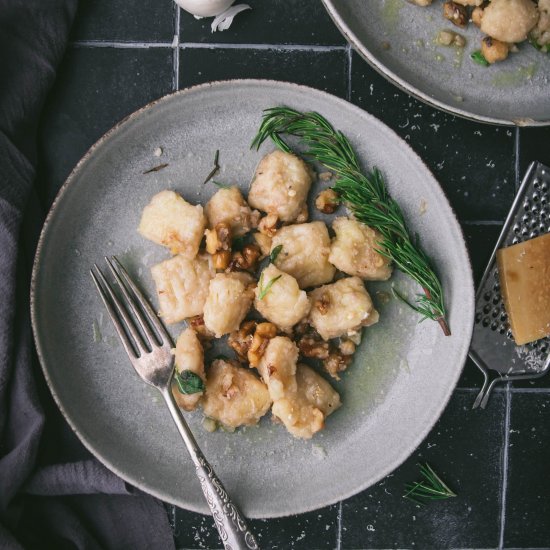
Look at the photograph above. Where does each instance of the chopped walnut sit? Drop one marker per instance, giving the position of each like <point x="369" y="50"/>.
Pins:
<point x="316" y="348"/>
<point x="246" y="259"/>
<point x="303" y="327"/>
<point x="264" y="333"/>
<point x="456" y="13"/>
<point x="218" y="238"/>
<point x="323" y="303"/>
<point x="197" y="323"/>
<point x="268" y="225"/>
<point x="327" y="201"/>
<point x="221" y="259"/>
<point x="346" y="347"/>
<point x="241" y="339"/>
<point x="264" y="242"/>
<point x="336" y="362"/>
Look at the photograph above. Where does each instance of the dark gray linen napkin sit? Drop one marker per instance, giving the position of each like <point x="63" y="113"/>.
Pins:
<point x="53" y="494"/>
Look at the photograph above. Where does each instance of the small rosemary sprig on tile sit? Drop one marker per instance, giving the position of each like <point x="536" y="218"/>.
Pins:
<point x="365" y="194"/>
<point x="431" y="487"/>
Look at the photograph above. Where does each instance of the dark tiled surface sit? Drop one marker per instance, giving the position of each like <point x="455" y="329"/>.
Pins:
<point x="325" y="70"/>
<point x="464" y="448"/>
<point x="473" y="162"/>
<point x="534" y="145"/>
<point x="96" y="88"/>
<point x="269" y="22"/>
<point x="528" y="495"/>
<point x="307" y="531"/>
<point x="125" y="20"/>
<point x="476" y="164"/>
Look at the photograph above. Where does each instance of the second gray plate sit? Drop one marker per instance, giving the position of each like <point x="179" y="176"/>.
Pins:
<point x="398" y="39"/>
<point x="394" y="392"/>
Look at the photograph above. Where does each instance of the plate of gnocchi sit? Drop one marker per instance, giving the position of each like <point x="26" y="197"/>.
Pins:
<point x="482" y="60"/>
<point x="300" y="359"/>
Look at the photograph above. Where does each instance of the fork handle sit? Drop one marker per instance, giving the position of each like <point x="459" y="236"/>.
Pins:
<point x="230" y="523"/>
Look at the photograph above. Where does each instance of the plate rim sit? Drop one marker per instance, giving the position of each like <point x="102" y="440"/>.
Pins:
<point x="408" y="88"/>
<point x="39" y="254"/>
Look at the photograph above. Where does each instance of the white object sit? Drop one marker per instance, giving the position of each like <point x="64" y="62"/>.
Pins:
<point x="223" y="21"/>
<point x="204" y="8"/>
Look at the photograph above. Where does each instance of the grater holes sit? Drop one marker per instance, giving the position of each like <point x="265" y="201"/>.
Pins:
<point x="524" y="232"/>
<point x="494" y="326"/>
<point x="509" y="334"/>
<point x="535" y="197"/>
<point x="515" y="240"/>
<point x="496" y="300"/>
<point x="478" y="317"/>
<point x="486" y="309"/>
<point x="544" y="186"/>
<point x="517" y="228"/>
<point x="544" y="348"/>
<point x="495" y="312"/>
<point x="534" y="233"/>
<point x="536" y="183"/>
<point x="485" y="322"/>
<point x="487" y="296"/>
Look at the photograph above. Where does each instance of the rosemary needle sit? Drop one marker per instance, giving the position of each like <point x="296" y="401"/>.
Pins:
<point x="156" y="168"/>
<point x="431" y="487"/>
<point x="365" y="193"/>
<point x="214" y="170"/>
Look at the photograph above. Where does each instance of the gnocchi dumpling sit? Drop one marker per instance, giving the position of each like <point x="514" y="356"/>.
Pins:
<point x="230" y="296"/>
<point x="354" y="251"/>
<point x="188" y="355"/>
<point x="304" y="253"/>
<point x="182" y="286"/>
<point x="278" y="366"/>
<point x="228" y="206"/>
<point x="284" y="304"/>
<point x="341" y="308"/>
<point x="280" y="186"/>
<point x="304" y="410"/>
<point x="509" y="20"/>
<point x="171" y="221"/>
<point x="234" y="395"/>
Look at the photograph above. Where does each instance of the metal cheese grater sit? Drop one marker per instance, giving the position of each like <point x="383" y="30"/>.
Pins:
<point x="493" y="349"/>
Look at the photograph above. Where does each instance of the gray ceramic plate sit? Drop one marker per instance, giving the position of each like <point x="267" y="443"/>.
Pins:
<point x="394" y="392"/>
<point x="513" y="92"/>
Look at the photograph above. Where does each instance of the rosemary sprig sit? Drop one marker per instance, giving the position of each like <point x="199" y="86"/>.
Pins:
<point x="365" y="194"/>
<point x="214" y="170"/>
<point x="156" y="168"/>
<point x="265" y="289"/>
<point x="431" y="487"/>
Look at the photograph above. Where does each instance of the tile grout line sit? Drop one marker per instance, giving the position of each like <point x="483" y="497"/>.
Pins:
<point x="175" y="45"/>
<point x="211" y="46"/>
<point x="339" y="527"/>
<point x="504" y="487"/>
<point x="349" y="58"/>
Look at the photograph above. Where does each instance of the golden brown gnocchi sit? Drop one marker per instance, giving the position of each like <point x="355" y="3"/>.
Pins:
<point x="280" y="186"/>
<point x="234" y="395"/>
<point x="304" y="410"/>
<point x="182" y="286"/>
<point x="354" y="251"/>
<point x="228" y="206"/>
<point x="230" y="296"/>
<point x="304" y="253"/>
<point x="284" y="303"/>
<point x="188" y="355"/>
<point x="171" y="221"/>
<point x="341" y="308"/>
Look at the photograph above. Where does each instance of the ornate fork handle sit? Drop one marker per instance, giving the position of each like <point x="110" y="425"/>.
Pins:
<point x="231" y="525"/>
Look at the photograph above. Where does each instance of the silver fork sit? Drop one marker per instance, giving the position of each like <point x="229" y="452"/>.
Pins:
<point x="148" y="346"/>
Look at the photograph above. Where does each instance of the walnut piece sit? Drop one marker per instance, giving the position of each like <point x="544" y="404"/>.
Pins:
<point x="456" y="13"/>
<point x="327" y="201"/>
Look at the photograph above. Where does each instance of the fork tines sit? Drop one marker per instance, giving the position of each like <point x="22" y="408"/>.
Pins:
<point x="136" y="323"/>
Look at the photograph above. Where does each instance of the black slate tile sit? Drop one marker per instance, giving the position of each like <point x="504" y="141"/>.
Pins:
<point x="272" y="22"/>
<point x="125" y="20"/>
<point x="326" y="70"/>
<point x="464" y="448"/>
<point x="534" y="144"/>
<point x="314" y="530"/>
<point x="528" y="495"/>
<point x="95" y="88"/>
<point x="473" y="162"/>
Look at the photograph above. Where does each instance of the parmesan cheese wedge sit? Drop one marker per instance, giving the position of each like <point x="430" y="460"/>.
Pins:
<point x="524" y="272"/>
